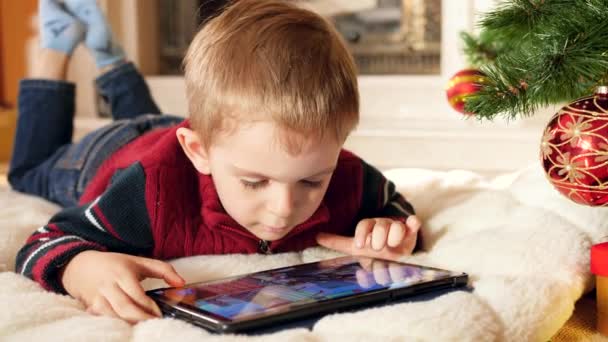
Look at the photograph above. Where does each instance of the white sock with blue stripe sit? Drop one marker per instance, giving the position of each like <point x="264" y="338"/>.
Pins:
<point x="59" y="30"/>
<point x="99" y="37"/>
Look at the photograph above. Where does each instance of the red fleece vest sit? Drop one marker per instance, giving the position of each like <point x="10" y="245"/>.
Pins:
<point x="187" y="217"/>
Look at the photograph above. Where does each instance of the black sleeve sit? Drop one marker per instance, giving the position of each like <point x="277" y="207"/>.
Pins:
<point x="116" y="221"/>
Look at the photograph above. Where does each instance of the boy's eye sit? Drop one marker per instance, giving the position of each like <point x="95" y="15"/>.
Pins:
<point x="254" y="184"/>
<point x="311" y="184"/>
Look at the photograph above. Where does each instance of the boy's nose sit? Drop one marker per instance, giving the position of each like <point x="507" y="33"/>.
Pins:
<point x="282" y="202"/>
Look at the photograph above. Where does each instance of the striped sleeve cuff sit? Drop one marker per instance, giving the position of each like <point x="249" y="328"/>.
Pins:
<point x="46" y="258"/>
<point x="393" y="203"/>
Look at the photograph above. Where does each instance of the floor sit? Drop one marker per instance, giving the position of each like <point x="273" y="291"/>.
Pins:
<point x="582" y="325"/>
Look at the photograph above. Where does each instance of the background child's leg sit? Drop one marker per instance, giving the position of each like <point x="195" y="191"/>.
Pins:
<point x="44" y="126"/>
<point x="127" y="92"/>
<point x="98" y="38"/>
<point x="46" y="103"/>
<point x="59" y="31"/>
<point x="121" y="84"/>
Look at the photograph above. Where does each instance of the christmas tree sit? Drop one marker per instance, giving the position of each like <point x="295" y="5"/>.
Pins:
<point x="536" y="53"/>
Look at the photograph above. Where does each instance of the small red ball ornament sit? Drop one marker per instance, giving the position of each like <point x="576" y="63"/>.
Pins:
<point x="574" y="149"/>
<point x="463" y="84"/>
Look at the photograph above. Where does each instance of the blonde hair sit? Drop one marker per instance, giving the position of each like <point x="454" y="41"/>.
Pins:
<point x="269" y="59"/>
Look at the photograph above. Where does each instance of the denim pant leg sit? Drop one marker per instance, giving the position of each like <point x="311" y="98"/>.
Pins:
<point x="127" y="92"/>
<point x="80" y="162"/>
<point x="44" y="131"/>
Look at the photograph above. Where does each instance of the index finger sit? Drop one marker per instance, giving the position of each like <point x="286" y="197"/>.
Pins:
<point x="160" y="270"/>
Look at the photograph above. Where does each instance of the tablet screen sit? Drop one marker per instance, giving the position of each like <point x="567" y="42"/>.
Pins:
<point x="279" y="290"/>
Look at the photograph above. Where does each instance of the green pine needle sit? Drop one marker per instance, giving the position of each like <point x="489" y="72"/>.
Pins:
<point x="536" y="53"/>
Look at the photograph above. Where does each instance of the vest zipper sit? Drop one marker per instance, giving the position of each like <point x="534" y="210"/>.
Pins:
<point x="264" y="247"/>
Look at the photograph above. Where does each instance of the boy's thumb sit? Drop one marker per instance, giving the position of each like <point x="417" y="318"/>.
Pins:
<point x="336" y="242"/>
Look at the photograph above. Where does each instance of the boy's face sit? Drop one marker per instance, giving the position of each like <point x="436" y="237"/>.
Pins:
<point x="263" y="187"/>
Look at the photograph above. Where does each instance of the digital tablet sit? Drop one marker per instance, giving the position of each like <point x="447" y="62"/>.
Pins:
<point x="261" y="299"/>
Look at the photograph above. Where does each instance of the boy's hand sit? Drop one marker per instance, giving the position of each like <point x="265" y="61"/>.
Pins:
<point x="108" y="283"/>
<point x="382" y="238"/>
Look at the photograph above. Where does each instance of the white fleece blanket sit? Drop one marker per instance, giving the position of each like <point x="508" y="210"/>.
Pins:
<point x="525" y="247"/>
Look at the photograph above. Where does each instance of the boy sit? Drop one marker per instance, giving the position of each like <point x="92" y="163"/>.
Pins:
<point x="257" y="168"/>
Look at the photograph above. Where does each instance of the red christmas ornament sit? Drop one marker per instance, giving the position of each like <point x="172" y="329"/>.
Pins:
<point x="463" y="84"/>
<point x="574" y="149"/>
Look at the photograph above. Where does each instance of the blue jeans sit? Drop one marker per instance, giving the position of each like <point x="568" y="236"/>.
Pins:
<point x="45" y="161"/>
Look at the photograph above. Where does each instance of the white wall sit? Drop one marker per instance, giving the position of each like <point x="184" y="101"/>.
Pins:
<point x="407" y="122"/>
<point x="413" y="126"/>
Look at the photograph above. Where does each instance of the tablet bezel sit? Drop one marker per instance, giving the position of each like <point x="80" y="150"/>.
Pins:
<point x="220" y="324"/>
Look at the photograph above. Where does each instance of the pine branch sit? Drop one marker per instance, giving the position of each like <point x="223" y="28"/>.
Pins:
<point x="514" y="19"/>
<point x="479" y="51"/>
<point x="569" y="63"/>
<point x="502" y="93"/>
<point x="550" y="51"/>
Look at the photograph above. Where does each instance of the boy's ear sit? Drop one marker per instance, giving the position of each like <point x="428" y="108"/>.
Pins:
<point x="194" y="150"/>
